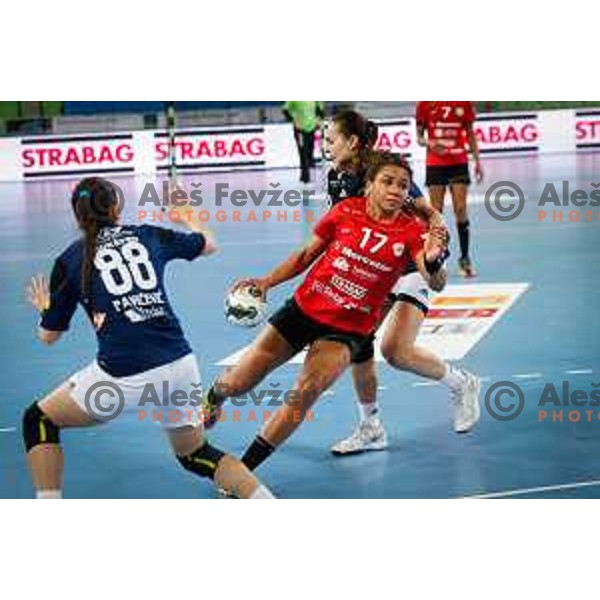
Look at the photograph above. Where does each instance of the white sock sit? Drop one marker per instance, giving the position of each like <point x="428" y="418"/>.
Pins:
<point x="454" y="378"/>
<point x="261" y="493"/>
<point x="367" y="410"/>
<point x="49" y="495"/>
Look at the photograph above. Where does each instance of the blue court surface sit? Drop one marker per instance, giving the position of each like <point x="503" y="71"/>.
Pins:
<point x="537" y="325"/>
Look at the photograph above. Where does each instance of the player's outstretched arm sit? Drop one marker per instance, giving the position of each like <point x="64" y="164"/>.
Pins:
<point x="474" y="150"/>
<point x="39" y="297"/>
<point x="295" y="265"/>
<point x="434" y="218"/>
<point x="190" y="218"/>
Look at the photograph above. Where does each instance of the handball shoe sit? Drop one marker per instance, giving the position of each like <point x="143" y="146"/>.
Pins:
<point x="369" y="436"/>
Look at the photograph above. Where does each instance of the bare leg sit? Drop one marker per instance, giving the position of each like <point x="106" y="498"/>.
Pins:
<point x="459" y="200"/>
<point x="437" y="194"/>
<point x="398" y="345"/>
<point x="325" y="363"/>
<point x="46" y="461"/>
<point x="230" y="474"/>
<point x="366" y="382"/>
<point x="269" y="351"/>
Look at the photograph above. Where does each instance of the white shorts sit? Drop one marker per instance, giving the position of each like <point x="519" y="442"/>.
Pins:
<point x="170" y="395"/>
<point x="413" y="288"/>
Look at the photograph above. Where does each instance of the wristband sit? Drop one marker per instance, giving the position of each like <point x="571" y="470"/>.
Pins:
<point x="434" y="266"/>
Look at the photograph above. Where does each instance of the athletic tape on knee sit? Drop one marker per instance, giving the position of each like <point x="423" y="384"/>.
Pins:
<point x="38" y="428"/>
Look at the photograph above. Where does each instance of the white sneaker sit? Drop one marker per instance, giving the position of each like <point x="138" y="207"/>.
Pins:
<point x="467" y="410"/>
<point x="369" y="436"/>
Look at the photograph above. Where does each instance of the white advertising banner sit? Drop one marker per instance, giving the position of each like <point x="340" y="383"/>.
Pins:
<point x="272" y="146"/>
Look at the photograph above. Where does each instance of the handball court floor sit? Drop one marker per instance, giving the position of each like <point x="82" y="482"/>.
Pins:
<point x="549" y="335"/>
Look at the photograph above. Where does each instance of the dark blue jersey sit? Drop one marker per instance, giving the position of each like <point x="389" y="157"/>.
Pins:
<point x="126" y="302"/>
<point x="342" y="185"/>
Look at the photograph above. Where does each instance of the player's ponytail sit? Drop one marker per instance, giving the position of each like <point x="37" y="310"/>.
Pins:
<point x="351" y="123"/>
<point x="95" y="203"/>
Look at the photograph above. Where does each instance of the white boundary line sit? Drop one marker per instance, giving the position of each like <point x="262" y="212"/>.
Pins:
<point x="535" y="490"/>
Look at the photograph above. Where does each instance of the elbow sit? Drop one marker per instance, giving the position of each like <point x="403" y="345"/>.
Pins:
<point x="210" y="247"/>
<point x="48" y="337"/>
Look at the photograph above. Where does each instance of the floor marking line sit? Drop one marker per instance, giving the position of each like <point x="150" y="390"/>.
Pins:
<point x="580" y="372"/>
<point x="7" y="429"/>
<point x="535" y="490"/>
<point x="528" y="376"/>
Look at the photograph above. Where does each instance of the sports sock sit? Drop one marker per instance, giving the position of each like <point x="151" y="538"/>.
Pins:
<point x="261" y="493"/>
<point x="454" y="378"/>
<point x="463" y="235"/>
<point x="368" y="410"/>
<point x="49" y="495"/>
<point x="257" y="453"/>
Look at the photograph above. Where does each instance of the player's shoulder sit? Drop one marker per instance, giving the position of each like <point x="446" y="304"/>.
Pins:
<point x="72" y="255"/>
<point x="409" y="222"/>
<point x="352" y="206"/>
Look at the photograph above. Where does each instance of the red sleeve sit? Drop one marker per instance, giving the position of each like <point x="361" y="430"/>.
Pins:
<point x="325" y="228"/>
<point x="470" y="115"/>
<point x="421" y="113"/>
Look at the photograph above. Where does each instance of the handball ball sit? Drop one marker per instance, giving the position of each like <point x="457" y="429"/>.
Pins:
<point x="245" y="307"/>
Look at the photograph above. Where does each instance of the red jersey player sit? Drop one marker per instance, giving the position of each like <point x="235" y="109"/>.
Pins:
<point x="357" y="253"/>
<point x="445" y="128"/>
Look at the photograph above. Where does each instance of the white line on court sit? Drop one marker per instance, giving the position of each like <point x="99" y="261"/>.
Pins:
<point x="528" y="376"/>
<point x="7" y="429"/>
<point x="535" y="490"/>
<point x="579" y="372"/>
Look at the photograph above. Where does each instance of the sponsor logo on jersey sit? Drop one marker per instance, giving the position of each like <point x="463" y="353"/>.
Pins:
<point x="398" y="250"/>
<point x="342" y="264"/>
<point x="349" y="253"/>
<point x="348" y="287"/>
<point x="364" y="274"/>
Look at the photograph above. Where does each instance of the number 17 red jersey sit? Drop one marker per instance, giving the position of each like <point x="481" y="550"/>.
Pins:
<point x="348" y="285"/>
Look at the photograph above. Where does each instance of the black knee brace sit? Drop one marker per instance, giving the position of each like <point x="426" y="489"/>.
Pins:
<point x="203" y="462"/>
<point x="38" y="428"/>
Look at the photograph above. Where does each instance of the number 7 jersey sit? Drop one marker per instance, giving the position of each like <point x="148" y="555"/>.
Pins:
<point x="127" y="303"/>
<point x="348" y="285"/>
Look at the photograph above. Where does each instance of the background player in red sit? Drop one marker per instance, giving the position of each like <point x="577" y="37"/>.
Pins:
<point x="359" y="250"/>
<point x="445" y="128"/>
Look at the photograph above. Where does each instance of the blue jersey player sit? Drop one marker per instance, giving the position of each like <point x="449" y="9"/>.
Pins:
<point x="115" y="273"/>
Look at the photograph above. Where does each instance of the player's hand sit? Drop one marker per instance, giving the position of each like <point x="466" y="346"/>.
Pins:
<point x="175" y="186"/>
<point x="39" y="293"/>
<point x="436" y="243"/>
<point x="479" y="175"/>
<point x="437" y="148"/>
<point x="260" y="284"/>
<point x="437" y="221"/>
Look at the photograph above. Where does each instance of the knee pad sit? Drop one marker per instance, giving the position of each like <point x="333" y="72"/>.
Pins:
<point x="38" y="428"/>
<point x="203" y="462"/>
